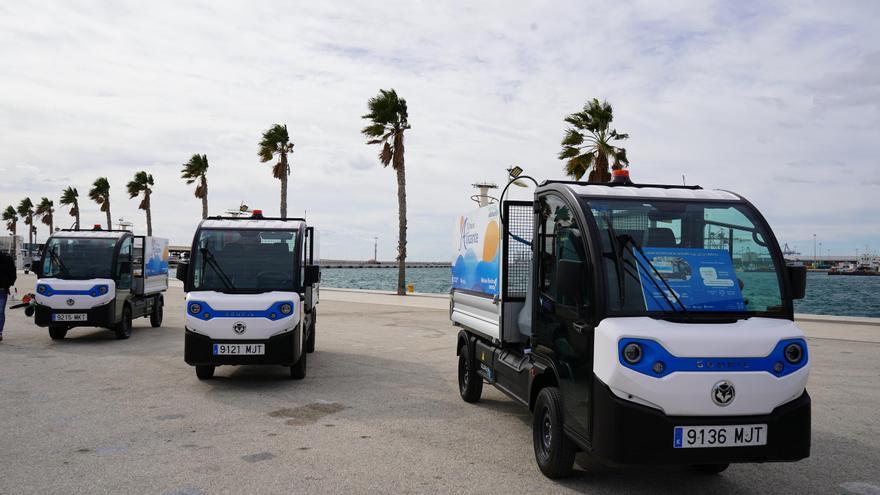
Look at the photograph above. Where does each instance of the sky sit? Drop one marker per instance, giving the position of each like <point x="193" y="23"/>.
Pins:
<point x="778" y="101"/>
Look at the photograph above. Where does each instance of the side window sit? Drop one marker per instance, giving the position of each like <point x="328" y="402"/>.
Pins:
<point x="561" y="240"/>
<point x="123" y="265"/>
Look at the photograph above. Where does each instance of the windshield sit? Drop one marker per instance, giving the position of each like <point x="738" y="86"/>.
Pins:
<point x="244" y="260"/>
<point x="78" y="258"/>
<point x="669" y="256"/>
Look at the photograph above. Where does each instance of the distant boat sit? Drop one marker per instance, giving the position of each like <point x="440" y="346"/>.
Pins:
<point x="866" y="265"/>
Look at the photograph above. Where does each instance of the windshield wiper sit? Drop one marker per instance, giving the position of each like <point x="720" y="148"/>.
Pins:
<point x="208" y="257"/>
<point x="634" y="246"/>
<point x="57" y="259"/>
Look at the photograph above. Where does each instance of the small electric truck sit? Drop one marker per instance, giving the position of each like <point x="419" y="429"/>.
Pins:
<point x="252" y="288"/>
<point x="100" y="278"/>
<point x="625" y="318"/>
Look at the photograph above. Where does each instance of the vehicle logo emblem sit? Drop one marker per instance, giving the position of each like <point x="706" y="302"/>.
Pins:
<point x="70" y="302"/>
<point x="239" y="328"/>
<point x="723" y="393"/>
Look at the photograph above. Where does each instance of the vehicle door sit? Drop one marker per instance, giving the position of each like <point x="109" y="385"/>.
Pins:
<point x="122" y="275"/>
<point x="562" y="322"/>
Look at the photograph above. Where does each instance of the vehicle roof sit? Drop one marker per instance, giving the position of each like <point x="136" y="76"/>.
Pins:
<point x="95" y="234"/>
<point x="624" y="192"/>
<point x="247" y="223"/>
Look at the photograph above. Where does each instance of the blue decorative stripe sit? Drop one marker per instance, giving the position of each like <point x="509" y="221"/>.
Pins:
<point x="652" y="353"/>
<point x="96" y="291"/>
<point x="206" y="312"/>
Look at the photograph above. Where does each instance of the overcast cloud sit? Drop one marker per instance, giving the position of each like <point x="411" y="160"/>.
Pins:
<point x="780" y="103"/>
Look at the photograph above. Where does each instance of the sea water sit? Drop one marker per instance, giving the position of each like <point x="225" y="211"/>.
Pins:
<point x="826" y="294"/>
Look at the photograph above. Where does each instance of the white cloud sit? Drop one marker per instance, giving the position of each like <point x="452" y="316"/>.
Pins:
<point x="737" y="96"/>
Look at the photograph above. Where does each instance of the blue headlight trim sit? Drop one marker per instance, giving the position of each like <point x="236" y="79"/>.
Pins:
<point x="652" y="352"/>
<point x="96" y="291"/>
<point x="273" y="312"/>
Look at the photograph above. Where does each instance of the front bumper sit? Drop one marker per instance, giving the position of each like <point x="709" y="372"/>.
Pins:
<point x="283" y="349"/>
<point x="99" y="316"/>
<point x="625" y="433"/>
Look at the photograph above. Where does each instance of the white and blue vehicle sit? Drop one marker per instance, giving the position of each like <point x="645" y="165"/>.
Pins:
<point x="642" y="324"/>
<point x="251" y="293"/>
<point x="100" y="278"/>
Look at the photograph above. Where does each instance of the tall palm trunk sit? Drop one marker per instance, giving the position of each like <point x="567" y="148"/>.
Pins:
<point x="109" y="221"/>
<point x="401" y="212"/>
<point x="205" y="198"/>
<point x="51" y="226"/>
<point x="284" y="185"/>
<point x="149" y="222"/>
<point x="76" y="207"/>
<point x="30" y="228"/>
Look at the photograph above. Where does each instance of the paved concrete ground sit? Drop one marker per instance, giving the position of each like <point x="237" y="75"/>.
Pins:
<point x="378" y="413"/>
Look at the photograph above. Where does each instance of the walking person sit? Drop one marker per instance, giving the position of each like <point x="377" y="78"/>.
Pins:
<point x="7" y="280"/>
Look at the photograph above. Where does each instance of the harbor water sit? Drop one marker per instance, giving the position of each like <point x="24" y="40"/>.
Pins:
<point x="826" y="295"/>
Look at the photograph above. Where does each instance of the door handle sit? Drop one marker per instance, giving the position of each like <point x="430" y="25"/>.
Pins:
<point x="579" y="327"/>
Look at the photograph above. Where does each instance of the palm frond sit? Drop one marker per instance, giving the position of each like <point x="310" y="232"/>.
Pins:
<point x="386" y="155"/>
<point x="275" y="140"/>
<point x="100" y="191"/>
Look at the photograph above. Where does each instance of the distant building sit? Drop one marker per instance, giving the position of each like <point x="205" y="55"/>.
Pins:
<point x="6" y="247"/>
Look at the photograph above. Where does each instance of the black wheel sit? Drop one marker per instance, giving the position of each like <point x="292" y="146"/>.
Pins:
<point x="470" y="384"/>
<point x="298" y="370"/>
<point x="57" y="333"/>
<point x="123" y="328"/>
<point x="554" y="451"/>
<point x="205" y="372"/>
<point x="711" y="468"/>
<point x="310" y="341"/>
<point x="156" y="317"/>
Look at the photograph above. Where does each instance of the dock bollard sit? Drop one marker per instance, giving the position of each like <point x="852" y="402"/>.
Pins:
<point x="410" y="288"/>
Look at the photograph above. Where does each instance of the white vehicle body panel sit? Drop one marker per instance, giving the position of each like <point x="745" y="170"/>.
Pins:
<point x="689" y="393"/>
<point x="258" y="328"/>
<point x="80" y="301"/>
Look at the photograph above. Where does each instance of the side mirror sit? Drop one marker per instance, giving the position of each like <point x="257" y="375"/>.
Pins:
<point x="569" y="282"/>
<point x="797" y="280"/>
<point x="182" y="271"/>
<point x="312" y="275"/>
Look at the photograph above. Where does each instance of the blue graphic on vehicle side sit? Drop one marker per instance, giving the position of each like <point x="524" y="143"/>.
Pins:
<point x="205" y="312"/>
<point x="96" y="291"/>
<point x="653" y="352"/>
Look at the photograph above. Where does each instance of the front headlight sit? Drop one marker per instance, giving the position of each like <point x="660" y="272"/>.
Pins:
<point x="286" y="308"/>
<point x="41" y="289"/>
<point x="195" y="308"/>
<point x="632" y="353"/>
<point x="103" y="289"/>
<point x="794" y="353"/>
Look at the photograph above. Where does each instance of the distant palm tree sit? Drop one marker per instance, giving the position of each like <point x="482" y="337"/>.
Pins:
<point x="10" y="216"/>
<point x="589" y="143"/>
<point x="142" y="183"/>
<point x="389" y="120"/>
<point x="70" y="197"/>
<point x="46" y="210"/>
<point x="196" y="170"/>
<point x="100" y="193"/>
<point x="26" y="211"/>
<point x="276" y="141"/>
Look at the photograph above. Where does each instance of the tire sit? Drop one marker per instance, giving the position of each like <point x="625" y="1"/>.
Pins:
<point x="711" y="468"/>
<point x="156" y="316"/>
<point x="554" y="451"/>
<point x="310" y="341"/>
<point x="470" y="384"/>
<point x="205" y="372"/>
<point x="298" y="370"/>
<point x="57" y="333"/>
<point x="123" y="328"/>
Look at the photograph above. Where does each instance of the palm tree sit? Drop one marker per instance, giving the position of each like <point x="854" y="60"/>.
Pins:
<point x="589" y="143"/>
<point x="46" y="209"/>
<point x="26" y="211"/>
<point x="196" y="170"/>
<point x="141" y="184"/>
<point x="10" y="216"/>
<point x="70" y="197"/>
<point x="100" y="193"/>
<point x="388" y="117"/>
<point x="276" y="141"/>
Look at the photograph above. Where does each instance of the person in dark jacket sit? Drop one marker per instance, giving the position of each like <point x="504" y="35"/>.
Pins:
<point x="7" y="280"/>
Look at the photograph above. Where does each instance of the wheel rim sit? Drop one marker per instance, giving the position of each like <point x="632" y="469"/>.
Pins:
<point x="463" y="373"/>
<point x="546" y="431"/>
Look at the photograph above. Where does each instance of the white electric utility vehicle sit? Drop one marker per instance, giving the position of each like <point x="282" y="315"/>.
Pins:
<point x="100" y="278"/>
<point x="251" y="293"/>
<point x="642" y="324"/>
